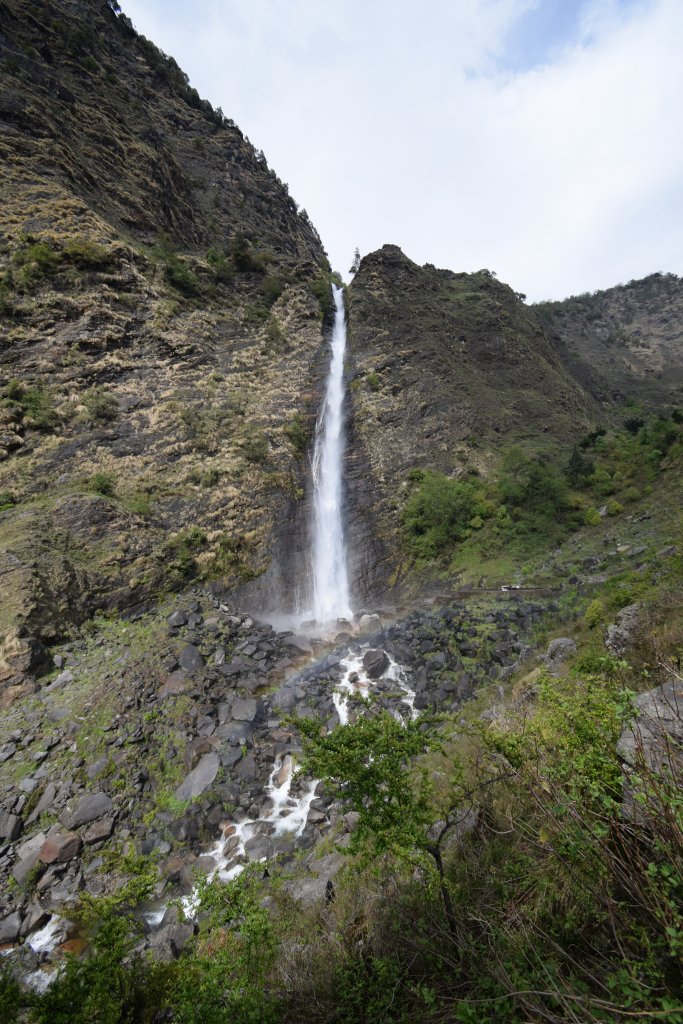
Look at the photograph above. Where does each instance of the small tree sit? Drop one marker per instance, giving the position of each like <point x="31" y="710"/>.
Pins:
<point x="353" y="269"/>
<point x="373" y="767"/>
<point x="578" y="467"/>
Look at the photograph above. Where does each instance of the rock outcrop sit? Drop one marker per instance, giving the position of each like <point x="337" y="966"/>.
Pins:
<point x="624" y="342"/>
<point x="446" y="368"/>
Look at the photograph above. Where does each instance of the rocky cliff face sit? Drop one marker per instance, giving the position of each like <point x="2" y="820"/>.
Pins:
<point x="448" y="370"/>
<point x="625" y="342"/>
<point x="160" y="329"/>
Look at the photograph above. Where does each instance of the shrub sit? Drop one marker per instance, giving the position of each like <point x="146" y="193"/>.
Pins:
<point x="592" y="517"/>
<point x="271" y="289"/>
<point x="218" y="261"/>
<point x="437" y="514"/>
<point x="35" y="403"/>
<point x="87" y="255"/>
<point x="177" y="272"/>
<point x="33" y="262"/>
<point x="141" y="504"/>
<point x="297" y="434"/>
<point x="244" y="259"/>
<point x="275" y="336"/>
<point x="533" y="485"/>
<point x="255" y="445"/>
<point x="632" y="494"/>
<point x="373" y="381"/>
<point x="322" y="290"/>
<point x="181" y="277"/>
<point x="101" y="405"/>
<point x="102" y="483"/>
<point x="594" y="613"/>
<point x="614" y="508"/>
<point x="578" y="467"/>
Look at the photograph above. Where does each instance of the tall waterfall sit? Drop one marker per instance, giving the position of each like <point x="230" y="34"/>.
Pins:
<point x="330" y="580"/>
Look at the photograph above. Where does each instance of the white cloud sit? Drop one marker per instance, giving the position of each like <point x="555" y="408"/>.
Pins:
<point x="398" y="122"/>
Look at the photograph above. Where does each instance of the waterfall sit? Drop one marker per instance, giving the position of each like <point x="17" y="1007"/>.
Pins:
<point x="330" y="580"/>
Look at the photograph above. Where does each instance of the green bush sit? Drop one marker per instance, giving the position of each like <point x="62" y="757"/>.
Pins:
<point x="244" y="259"/>
<point x="297" y="434"/>
<point x="34" y="401"/>
<point x="87" y="255"/>
<point x="322" y="290"/>
<point x="255" y="445"/>
<point x="373" y="381"/>
<point x="437" y="515"/>
<point x="614" y="508"/>
<point x="594" y="614"/>
<point x="181" y="277"/>
<point x="178" y="274"/>
<point x="33" y="262"/>
<point x="102" y="483"/>
<point x="592" y="517"/>
<point x="101" y="405"/>
<point x="218" y="261"/>
<point x="271" y="289"/>
<point x="141" y="504"/>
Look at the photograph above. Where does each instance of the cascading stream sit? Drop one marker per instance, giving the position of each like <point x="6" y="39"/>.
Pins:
<point x="331" y="598"/>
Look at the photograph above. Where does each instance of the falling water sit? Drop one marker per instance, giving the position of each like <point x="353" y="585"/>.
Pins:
<point x="330" y="581"/>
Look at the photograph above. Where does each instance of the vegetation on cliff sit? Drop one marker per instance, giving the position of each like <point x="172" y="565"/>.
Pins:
<point x="531" y="501"/>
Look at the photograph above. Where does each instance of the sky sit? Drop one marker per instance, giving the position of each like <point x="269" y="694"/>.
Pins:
<point x="537" y="138"/>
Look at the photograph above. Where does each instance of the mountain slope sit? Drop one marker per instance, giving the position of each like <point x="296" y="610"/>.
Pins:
<point x="449" y="371"/>
<point x="624" y="342"/>
<point x="161" y="301"/>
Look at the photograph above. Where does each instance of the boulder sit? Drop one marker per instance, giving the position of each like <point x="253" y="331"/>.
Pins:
<point x="560" y="649"/>
<point x="656" y="732"/>
<point x="177" y="619"/>
<point x="45" y="802"/>
<point x="284" y="699"/>
<point x="60" y="847"/>
<point x="194" y="750"/>
<point x="246" y="709"/>
<point x="375" y="663"/>
<point x="169" y="941"/>
<point x="176" y="682"/>
<point x="653" y="742"/>
<point x="10" y="826"/>
<point x="91" y="807"/>
<point x="620" y="635"/>
<point x="9" y="928"/>
<point x="98" y="831"/>
<point x="369" y="624"/>
<point x="23" y="866"/>
<point x="190" y="659"/>
<point x="259" y="847"/>
<point x="298" y="644"/>
<point x="199" y="779"/>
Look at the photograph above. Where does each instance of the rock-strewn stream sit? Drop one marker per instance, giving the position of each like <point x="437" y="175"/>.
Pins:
<point x="189" y="758"/>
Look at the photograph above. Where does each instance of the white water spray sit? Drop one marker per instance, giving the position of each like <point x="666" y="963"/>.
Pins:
<point x="330" y="580"/>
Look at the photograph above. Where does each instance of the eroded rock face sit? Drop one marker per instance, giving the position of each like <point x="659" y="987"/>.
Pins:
<point x="653" y="743"/>
<point x="438" y="359"/>
<point x="621" y="634"/>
